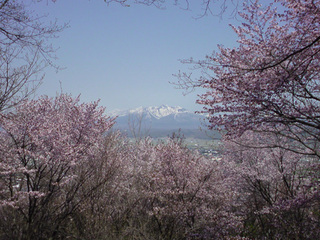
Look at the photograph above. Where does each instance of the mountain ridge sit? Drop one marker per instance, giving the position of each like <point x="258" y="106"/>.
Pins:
<point x="160" y="121"/>
<point x="156" y="112"/>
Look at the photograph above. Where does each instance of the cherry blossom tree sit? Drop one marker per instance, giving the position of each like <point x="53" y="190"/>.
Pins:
<point x="104" y="213"/>
<point x="270" y="81"/>
<point x="180" y="193"/>
<point x="44" y="147"/>
<point x="277" y="189"/>
<point x="159" y="190"/>
<point x="264" y="95"/>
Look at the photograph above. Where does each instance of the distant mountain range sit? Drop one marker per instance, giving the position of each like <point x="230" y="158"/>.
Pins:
<point x="160" y="122"/>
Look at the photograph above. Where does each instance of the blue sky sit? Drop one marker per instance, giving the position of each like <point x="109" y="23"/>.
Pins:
<point x="126" y="56"/>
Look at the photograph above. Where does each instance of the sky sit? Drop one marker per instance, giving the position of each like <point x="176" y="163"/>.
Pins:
<point x="127" y="56"/>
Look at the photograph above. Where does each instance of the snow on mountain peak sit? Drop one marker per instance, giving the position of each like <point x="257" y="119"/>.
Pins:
<point x="156" y="112"/>
<point x="163" y="111"/>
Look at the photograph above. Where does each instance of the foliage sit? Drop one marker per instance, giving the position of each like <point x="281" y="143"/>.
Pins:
<point x="182" y="192"/>
<point x="270" y="82"/>
<point x="264" y="95"/>
<point x="63" y="175"/>
<point x="161" y="191"/>
<point x="44" y="143"/>
<point x="277" y="189"/>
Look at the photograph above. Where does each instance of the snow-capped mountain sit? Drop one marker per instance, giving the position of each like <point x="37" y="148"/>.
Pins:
<point x="159" y="121"/>
<point x="151" y="112"/>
